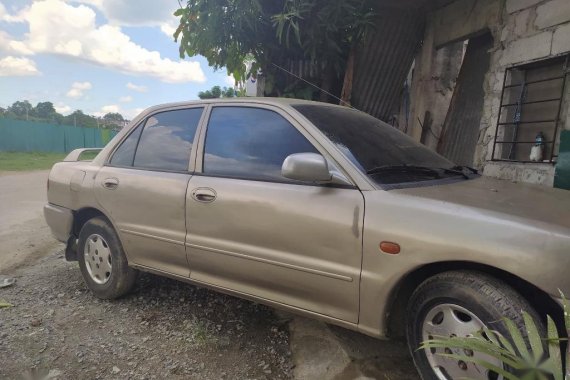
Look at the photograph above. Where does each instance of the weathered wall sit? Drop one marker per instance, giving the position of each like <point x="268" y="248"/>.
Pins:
<point x="523" y="31"/>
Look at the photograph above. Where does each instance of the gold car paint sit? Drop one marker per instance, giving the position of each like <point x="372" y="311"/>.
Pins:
<point x="469" y="221"/>
<point x="294" y="244"/>
<point x="451" y="222"/>
<point x="148" y="210"/>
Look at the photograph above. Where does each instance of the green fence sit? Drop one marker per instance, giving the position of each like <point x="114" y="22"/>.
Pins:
<point x="30" y="136"/>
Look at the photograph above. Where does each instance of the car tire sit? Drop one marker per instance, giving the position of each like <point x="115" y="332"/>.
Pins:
<point x="102" y="260"/>
<point x="453" y="303"/>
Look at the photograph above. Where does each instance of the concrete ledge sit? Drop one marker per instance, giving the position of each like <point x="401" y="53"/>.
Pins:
<point x="539" y="173"/>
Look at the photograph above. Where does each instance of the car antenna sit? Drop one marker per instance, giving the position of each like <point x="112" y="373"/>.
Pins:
<point x="314" y="85"/>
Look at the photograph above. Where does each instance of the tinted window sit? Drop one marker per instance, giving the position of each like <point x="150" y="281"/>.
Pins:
<point x="166" y="140"/>
<point x="250" y="143"/>
<point x="124" y="154"/>
<point x="372" y="145"/>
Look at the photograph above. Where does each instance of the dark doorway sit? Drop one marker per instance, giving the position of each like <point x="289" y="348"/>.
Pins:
<point x="461" y="127"/>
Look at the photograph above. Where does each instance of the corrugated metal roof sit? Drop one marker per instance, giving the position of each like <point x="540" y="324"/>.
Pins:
<point x="384" y="60"/>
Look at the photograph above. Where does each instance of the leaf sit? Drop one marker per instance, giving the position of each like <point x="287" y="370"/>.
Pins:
<point x="484" y="364"/>
<point x="533" y="337"/>
<point x="518" y="339"/>
<point x="4" y="304"/>
<point x="479" y="345"/>
<point x="554" y="362"/>
<point x="506" y="344"/>
<point x="566" y="308"/>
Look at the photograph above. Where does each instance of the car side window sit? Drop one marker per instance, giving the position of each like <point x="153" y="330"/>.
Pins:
<point x="250" y="143"/>
<point x="166" y="140"/>
<point x="125" y="153"/>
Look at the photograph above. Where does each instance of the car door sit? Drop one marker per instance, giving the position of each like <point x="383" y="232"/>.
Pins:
<point x="255" y="232"/>
<point x="142" y="188"/>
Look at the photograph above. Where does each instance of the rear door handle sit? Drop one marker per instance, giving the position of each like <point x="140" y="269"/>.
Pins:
<point x="110" y="183"/>
<point x="204" y="194"/>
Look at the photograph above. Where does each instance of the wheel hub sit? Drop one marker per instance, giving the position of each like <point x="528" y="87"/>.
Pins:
<point x="448" y="320"/>
<point x="98" y="259"/>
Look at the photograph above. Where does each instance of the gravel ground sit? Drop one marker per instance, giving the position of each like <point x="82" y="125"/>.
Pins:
<point x="165" y="329"/>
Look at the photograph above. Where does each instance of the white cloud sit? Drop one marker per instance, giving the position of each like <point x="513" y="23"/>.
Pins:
<point x="135" y="13"/>
<point x="169" y="27"/>
<point x="5" y="16"/>
<point x="61" y="108"/>
<point x="126" y="99"/>
<point x="110" y="108"/>
<point x="231" y="80"/>
<point x="61" y="28"/>
<point x="156" y="13"/>
<point x="14" y="66"/>
<point x="130" y="114"/>
<point x="136" y="87"/>
<point x="77" y="90"/>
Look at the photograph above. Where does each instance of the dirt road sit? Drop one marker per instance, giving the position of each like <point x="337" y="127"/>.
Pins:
<point x="24" y="235"/>
<point x="165" y="329"/>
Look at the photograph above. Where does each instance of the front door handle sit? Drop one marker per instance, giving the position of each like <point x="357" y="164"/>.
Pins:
<point x="204" y="194"/>
<point x="110" y="183"/>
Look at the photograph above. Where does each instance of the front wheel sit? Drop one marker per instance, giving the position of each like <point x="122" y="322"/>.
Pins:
<point x="103" y="262"/>
<point x="460" y="303"/>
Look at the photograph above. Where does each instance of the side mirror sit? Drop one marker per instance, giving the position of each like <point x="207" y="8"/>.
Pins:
<point x="311" y="167"/>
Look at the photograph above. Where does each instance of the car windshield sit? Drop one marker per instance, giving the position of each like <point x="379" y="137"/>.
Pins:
<point x="387" y="155"/>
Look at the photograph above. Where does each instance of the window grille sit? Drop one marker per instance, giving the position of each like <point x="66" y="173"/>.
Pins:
<point x="531" y="107"/>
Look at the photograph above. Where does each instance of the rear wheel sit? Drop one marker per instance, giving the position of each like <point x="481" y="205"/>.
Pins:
<point x="102" y="260"/>
<point x="459" y="303"/>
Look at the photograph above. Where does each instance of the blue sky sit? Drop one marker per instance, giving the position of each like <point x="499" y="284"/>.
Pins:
<point x="96" y="55"/>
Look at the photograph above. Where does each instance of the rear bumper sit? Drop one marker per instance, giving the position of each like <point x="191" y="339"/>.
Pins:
<point x="59" y="220"/>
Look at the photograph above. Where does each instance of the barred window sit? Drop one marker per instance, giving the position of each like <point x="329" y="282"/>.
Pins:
<point x="531" y="108"/>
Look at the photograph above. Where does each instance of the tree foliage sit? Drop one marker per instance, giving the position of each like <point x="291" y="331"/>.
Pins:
<point x="21" y="108"/>
<point x="113" y="117"/>
<point x="245" y="36"/>
<point x="45" y="112"/>
<point x="218" y="92"/>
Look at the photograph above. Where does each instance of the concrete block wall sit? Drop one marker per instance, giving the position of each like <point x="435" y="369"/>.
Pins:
<point x="523" y="31"/>
<point x="528" y="30"/>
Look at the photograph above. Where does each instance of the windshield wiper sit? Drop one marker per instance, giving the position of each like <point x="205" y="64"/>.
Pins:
<point x="464" y="171"/>
<point x="403" y="168"/>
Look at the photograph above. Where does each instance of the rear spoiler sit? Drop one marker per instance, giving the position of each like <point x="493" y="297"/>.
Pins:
<point x="76" y="154"/>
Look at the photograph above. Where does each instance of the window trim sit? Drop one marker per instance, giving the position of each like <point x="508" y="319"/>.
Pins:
<point x="142" y="122"/>
<point x="565" y="60"/>
<point x="200" y="151"/>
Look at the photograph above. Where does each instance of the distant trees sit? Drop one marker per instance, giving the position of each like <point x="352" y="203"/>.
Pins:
<point x="218" y="92"/>
<point x="46" y="112"/>
<point x="21" y="108"/>
<point x="113" y="117"/>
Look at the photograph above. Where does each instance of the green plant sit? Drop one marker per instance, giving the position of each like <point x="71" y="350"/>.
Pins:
<point x="246" y="36"/>
<point x="540" y="359"/>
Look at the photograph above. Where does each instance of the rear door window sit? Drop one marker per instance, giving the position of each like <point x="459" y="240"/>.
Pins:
<point x="166" y="141"/>
<point x="125" y="153"/>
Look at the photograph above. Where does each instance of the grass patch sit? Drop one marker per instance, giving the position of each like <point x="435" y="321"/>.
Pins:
<point x="21" y="161"/>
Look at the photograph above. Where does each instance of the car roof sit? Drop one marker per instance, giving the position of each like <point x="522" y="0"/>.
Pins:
<point x="239" y="100"/>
